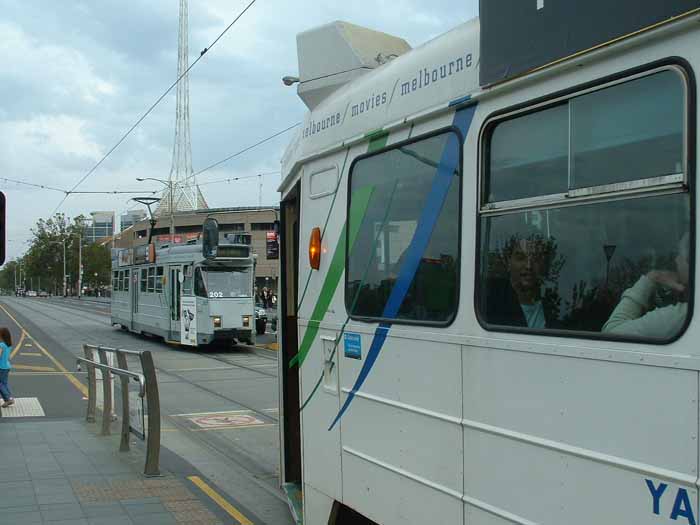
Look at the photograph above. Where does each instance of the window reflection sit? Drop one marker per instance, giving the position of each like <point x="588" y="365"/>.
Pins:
<point x="401" y="180"/>
<point x="568" y="268"/>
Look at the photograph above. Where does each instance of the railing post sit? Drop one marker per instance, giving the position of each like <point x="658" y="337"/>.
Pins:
<point x="122" y="363"/>
<point x="106" y="394"/>
<point x="148" y="370"/>
<point x="92" y="385"/>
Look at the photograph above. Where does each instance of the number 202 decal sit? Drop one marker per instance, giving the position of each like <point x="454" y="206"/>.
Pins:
<point x="215" y="295"/>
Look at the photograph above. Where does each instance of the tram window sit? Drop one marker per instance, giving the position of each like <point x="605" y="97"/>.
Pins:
<point x="404" y="263"/>
<point x="622" y="133"/>
<point x="200" y="289"/>
<point x="144" y="279"/>
<point x="629" y="131"/>
<point x="115" y="281"/>
<point x="187" y="283"/>
<point x="229" y="282"/>
<point x="151" y="279"/>
<point x="529" y="156"/>
<point x="126" y="280"/>
<point x="120" y="281"/>
<point x="611" y="263"/>
<point x="159" y="279"/>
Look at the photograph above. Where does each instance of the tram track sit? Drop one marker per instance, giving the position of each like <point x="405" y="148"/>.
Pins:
<point x="168" y="372"/>
<point x="216" y="394"/>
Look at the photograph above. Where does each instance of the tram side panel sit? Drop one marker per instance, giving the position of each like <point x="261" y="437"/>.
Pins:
<point x="321" y="313"/>
<point x="580" y="430"/>
<point x="573" y="440"/>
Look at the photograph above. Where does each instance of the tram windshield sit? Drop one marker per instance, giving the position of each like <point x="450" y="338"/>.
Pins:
<point x="228" y="282"/>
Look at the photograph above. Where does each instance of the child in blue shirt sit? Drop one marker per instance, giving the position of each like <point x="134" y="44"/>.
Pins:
<point x="5" y="351"/>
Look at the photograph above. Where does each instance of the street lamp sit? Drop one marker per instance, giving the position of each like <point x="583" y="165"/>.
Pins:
<point x="80" y="264"/>
<point x="168" y="184"/>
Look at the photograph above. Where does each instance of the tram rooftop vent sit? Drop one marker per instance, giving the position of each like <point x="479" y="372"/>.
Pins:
<point x="334" y="54"/>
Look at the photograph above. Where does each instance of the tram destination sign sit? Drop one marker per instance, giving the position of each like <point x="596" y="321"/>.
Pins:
<point x="233" y="251"/>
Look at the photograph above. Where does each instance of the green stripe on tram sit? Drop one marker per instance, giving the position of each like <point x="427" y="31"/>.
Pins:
<point x="360" y="203"/>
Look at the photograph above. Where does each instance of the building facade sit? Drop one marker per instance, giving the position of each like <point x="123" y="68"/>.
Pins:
<point x="259" y="222"/>
<point x="100" y="226"/>
<point x="131" y="217"/>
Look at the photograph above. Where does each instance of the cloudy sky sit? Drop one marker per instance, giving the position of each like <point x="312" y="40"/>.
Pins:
<point x="77" y="74"/>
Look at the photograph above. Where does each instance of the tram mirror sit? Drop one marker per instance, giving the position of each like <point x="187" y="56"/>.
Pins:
<point x="180" y="277"/>
<point x="210" y="238"/>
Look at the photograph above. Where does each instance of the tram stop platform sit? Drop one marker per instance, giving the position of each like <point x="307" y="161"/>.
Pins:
<point x="61" y="471"/>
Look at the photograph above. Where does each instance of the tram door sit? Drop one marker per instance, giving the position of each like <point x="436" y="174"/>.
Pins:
<point x="290" y="429"/>
<point x="175" y="295"/>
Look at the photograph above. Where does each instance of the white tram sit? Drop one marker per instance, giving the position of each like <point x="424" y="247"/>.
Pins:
<point x="487" y="250"/>
<point x="178" y="293"/>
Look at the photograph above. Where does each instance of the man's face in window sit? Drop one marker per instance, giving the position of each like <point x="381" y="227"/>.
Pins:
<point x="527" y="265"/>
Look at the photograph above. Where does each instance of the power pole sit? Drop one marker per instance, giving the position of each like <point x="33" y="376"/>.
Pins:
<point x="65" y="281"/>
<point x="260" y="190"/>
<point x="80" y="266"/>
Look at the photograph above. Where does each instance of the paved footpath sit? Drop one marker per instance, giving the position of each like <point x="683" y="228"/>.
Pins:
<point x="55" y="468"/>
<point x="61" y="471"/>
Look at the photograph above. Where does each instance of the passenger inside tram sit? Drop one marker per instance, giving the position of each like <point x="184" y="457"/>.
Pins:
<point x="635" y="313"/>
<point x="516" y="295"/>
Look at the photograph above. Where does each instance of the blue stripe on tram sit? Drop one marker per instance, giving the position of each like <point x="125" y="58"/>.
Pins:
<point x="414" y="253"/>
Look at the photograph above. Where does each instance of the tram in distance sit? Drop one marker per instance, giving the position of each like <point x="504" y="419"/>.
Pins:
<point x="488" y="271"/>
<point x="187" y="293"/>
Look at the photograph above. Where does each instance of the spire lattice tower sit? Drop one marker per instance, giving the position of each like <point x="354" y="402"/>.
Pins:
<point x="183" y="193"/>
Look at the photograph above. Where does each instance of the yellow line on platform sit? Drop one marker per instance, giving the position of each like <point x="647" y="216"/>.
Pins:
<point x="34" y="368"/>
<point x="54" y="373"/>
<point x="220" y="501"/>
<point x="77" y="384"/>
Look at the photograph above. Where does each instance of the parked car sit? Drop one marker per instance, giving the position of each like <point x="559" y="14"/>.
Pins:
<point x="31" y="293"/>
<point x="43" y="294"/>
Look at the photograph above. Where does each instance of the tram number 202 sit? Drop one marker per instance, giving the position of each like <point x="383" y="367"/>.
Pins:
<point x="216" y="295"/>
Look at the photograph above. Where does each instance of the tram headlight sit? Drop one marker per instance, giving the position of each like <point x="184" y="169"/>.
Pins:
<point x="246" y="320"/>
<point x="217" y="321"/>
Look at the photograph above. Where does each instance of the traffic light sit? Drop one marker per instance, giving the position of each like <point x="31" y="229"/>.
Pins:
<point x="2" y="228"/>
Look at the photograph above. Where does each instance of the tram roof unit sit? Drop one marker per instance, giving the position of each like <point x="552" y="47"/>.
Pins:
<point x="381" y="94"/>
<point x="469" y="61"/>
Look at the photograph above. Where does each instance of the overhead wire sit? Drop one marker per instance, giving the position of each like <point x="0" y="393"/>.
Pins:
<point x="24" y="183"/>
<point x="152" y="107"/>
<point x="244" y="150"/>
<point x="232" y="179"/>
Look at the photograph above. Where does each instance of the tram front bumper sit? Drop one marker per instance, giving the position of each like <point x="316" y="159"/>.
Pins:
<point x="227" y="334"/>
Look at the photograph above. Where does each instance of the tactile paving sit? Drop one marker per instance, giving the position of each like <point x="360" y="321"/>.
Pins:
<point x="24" y="407"/>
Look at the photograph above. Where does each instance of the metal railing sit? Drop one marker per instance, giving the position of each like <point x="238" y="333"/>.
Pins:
<point x="148" y="388"/>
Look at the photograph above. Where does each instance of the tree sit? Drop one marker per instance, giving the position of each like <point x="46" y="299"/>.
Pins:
<point x="96" y="260"/>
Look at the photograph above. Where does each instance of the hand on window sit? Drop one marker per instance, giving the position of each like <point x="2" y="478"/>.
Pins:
<point x="666" y="278"/>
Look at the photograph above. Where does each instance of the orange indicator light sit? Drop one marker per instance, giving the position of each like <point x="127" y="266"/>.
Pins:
<point x="315" y="249"/>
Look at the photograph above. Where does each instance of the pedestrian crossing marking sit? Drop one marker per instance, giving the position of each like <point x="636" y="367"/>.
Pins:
<point x="24" y="407"/>
<point x="33" y="354"/>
